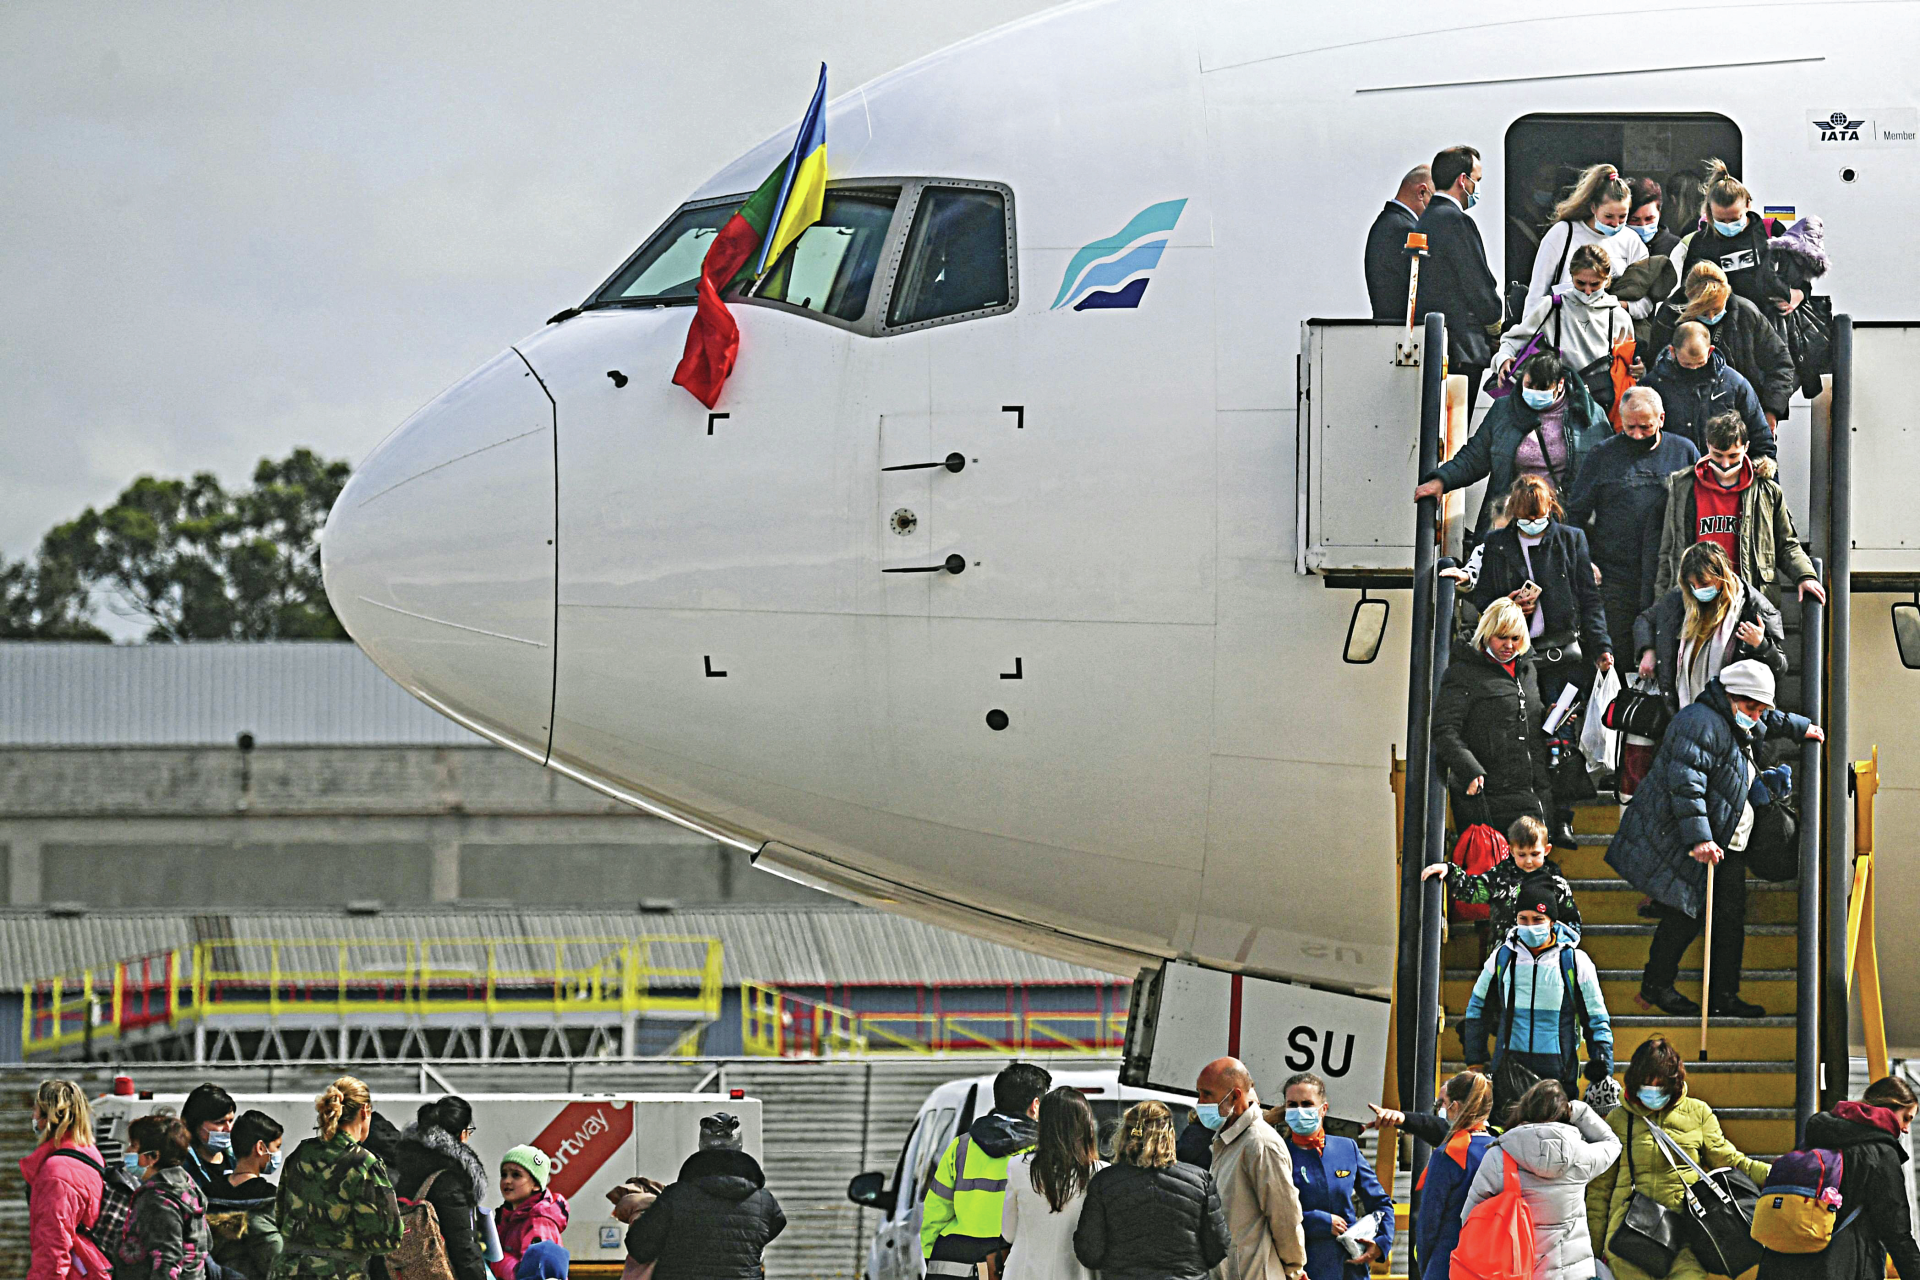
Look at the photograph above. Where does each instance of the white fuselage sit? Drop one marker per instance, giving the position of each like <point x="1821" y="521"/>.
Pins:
<point x="1187" y="768"/>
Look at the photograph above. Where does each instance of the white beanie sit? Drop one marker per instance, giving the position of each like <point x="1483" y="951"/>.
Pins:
<point x="1748" y="678"/>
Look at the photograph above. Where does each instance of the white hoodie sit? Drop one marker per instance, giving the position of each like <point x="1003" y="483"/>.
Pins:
<point x="1587" y="327"/>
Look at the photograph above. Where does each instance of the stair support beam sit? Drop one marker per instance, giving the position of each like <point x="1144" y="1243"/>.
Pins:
<point x="1833" y="1002"/>
<point x="1806" y="1098"/>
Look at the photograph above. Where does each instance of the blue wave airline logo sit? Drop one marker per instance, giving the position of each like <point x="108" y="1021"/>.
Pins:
<point x="1114" y="272"/>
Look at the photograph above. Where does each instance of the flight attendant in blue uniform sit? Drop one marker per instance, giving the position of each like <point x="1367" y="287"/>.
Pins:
<point x="1327" y="1170"/>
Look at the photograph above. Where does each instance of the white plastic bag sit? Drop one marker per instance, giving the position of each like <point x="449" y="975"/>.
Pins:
<point x="1357" y="1237"/>
<point x="1601" y="744"/>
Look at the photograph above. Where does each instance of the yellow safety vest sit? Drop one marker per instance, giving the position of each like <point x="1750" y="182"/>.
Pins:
<point x="964" y="1199"/>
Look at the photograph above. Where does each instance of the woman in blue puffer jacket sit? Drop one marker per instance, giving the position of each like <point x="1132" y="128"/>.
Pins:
<point x="1696" y="810"/>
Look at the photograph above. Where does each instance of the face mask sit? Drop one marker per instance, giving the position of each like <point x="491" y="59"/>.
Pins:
<point x="219" y="1140"/>
<point x="1648" y="232"/>
<point x="271" y="1166"/>
<point x="1603" y="230"/>
<point x="1651" y="1098"/>
<point x="1647" y="445"/>
<point x="1209" y="1115"/>
<point x="1731" y="228"/>
<point x="1532" y="528"/>
<point x="1473" y="198"/>
<point x="1535" y="935"/>
<point x="1745" y="722"/>
<point x="1303" y="1120"/>
<point x="1727" y="474"/>
<point x="1706" y="595"/>
<point x="1716" y="317"/>
<point x="130" y="1160"/>
<point x="1537" y="399"/>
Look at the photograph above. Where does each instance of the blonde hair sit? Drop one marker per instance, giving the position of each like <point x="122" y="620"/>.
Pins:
<point x="341" y="1103"/>
<point x="1707" y="291"/>
<point x="1723" y="189"/>
<point x="1146" y="1136"/>
<point x="1475" y="1094"/>
<point x="1597" y="185"/>
<point x="1704" y="562"/>
<point x="1502" y="618"/>
<point x="65" y="1109"/>
<point x="1591" y="257"/>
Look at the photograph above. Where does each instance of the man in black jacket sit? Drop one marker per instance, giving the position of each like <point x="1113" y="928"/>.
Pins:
<point x="1387" y="244"/>
<point x="717" y="1217"/>
<point x="1454" y="278"/>
<point x="1622" y="490"/>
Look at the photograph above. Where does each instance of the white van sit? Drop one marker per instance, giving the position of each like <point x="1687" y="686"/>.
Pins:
<point x="948" y="1110"/>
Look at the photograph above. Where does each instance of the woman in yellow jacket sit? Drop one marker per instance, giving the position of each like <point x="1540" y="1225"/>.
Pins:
<point x="1656" y="1093"/>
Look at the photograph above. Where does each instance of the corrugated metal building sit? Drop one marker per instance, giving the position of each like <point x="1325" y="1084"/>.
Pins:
<point x="285" y="693"/>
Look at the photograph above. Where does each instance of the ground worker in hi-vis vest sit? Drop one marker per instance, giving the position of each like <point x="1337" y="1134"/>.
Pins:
<point x="960" y="1219"/>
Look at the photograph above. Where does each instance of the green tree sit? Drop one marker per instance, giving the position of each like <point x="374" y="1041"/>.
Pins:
<point x="40" y="600"/>
<point x="200" y="563"/>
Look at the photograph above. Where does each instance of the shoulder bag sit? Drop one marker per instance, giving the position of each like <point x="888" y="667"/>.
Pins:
<point x="1649" y="1236"/>
<point x="1718" y="1212"/>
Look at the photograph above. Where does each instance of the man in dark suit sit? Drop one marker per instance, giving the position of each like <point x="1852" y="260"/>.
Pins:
<point x="1454" y="277"/>
<point x="1387" y="244"/>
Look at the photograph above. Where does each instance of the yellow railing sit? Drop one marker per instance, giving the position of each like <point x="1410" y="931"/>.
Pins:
<point x="1863" y="958"/>
<point x="668" y="975"/>
<point x="774" y="1024"/>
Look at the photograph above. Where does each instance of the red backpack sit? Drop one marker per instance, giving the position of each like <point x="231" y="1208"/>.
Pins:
<point x="1479" y="850"/>
<point x="1496" y="1241"/>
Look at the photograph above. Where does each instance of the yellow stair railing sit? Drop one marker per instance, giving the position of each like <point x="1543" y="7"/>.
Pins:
<point x="775" y="1024"/>
<point x="1863" y="959"/>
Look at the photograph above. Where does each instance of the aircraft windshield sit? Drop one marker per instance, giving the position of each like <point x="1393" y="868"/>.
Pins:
<point x="668" y="266"/>
<point x="830" y="268"/>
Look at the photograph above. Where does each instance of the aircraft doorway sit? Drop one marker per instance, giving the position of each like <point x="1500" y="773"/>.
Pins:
<point x="1545" y="153"/>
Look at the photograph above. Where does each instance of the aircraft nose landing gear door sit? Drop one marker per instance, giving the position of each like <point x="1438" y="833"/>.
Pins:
<point x="903" y="521"/>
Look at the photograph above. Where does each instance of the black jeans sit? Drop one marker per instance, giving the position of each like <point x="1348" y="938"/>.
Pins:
<point x="1677" y="930"/>
<point x="1620" y="597"/>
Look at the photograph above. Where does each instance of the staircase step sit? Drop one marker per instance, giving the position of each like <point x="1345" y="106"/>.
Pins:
<point x="1624" y="946"/>
<point x="1728" y="1086"/>
<point x="1774" y="989"/>
<point x="1617" y="902"/>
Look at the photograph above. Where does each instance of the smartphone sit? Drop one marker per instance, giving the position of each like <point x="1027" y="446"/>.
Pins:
<point x="1531" y="587"/>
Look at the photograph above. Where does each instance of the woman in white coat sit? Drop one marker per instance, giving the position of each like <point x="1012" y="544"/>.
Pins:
<point x="1557" y="1148"/>
<point x="1594" y="213"/>
<point x="1047" y="1188"/>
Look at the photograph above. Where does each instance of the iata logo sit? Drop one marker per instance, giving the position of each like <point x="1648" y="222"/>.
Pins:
<point x="1838" y="128"/>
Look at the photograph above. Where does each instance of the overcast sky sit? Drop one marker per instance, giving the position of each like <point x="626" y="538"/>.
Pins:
<point x="227" y="230"/>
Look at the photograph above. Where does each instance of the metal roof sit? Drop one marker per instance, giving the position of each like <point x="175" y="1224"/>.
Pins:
<point x="792" y="945"/>
<point x="285" y="693"/>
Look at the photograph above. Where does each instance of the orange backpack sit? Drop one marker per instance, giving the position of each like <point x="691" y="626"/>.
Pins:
<point x="1496" y="1241"/>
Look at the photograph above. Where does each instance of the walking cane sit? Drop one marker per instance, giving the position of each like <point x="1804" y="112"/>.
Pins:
<point x="1706" y="963"/>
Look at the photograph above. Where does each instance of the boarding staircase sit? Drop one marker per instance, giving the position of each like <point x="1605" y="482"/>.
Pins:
<point x="1807" y="939"/>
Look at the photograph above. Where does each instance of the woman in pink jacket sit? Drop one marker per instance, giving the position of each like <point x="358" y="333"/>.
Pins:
<point x="63" y="1190"/>
<point x="532" y="1220"/>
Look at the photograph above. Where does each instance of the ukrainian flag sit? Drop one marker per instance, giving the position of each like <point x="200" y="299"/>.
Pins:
<point x="804" y="188"/>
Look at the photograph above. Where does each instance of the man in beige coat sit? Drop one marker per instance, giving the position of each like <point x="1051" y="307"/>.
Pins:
<point x="1254" y="1173"/>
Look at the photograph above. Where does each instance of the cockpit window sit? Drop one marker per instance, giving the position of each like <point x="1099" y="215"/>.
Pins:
<point x="956" y="259"/>
<point x="668" y="266"/>
<point x="830" y="268"/>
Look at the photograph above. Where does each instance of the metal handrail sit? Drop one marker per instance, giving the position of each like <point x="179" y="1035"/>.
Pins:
<point x="775" y="1024"/>
<point x="1839" y="652"/>
<point x="403" y="976"/>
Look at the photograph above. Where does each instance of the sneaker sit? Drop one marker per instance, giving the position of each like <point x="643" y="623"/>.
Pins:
<point x="1668" y="1000"/>
<point x="1725" y="1006"/>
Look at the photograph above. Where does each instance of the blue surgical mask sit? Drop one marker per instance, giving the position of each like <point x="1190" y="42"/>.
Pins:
<point x="1473" y="198"/>
<point x="272" y="1165"/>
<point x="1651" y="1098"/>
<point x="1648" y="232"/>
<point x="1537" y="399"/>
<point x="1535" y="935"/>
<point x="1602" y="229"/>
<point x="1705" y="595"/>
<point x="1731" y="228"/>
<point x="1303" y="1120"/>
<point x="1532" y="528"/>
<point x="219" y="1140"/>
<point x="1746" y="723"/>
<point x="1716" y="317"/>
<point x="130" y="1160"/>
<point x="1209" y="1115"/>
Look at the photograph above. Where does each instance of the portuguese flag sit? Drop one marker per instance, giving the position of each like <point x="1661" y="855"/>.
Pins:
<point x="787" y="203"/>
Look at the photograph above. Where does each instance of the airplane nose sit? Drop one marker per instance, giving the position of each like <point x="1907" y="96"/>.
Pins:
<point x="439" y="556"/>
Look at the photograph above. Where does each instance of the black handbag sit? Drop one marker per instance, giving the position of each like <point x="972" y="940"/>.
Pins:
<point x="1718" y="1213"/>
<point x="1649" y="1236"/>
<point x="1640" y="712"/>
<point x="1808" y="333"/>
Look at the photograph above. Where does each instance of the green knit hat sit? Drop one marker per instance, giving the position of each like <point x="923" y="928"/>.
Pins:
<point x="535" y="1161"/>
